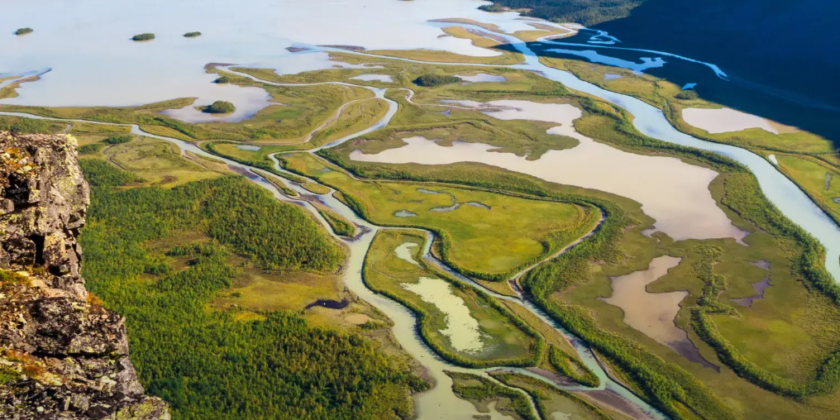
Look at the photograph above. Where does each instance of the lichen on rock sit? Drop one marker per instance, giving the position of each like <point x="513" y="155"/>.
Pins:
<point x="62" y="355"/>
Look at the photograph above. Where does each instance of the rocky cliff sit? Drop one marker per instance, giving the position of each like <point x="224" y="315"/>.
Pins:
<point x="62" y="355"/>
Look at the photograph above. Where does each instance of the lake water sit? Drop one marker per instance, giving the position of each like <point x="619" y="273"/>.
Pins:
<point x="86" y="42"/>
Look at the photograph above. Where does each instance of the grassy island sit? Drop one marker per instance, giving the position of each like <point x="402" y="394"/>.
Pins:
<point x="24" y="31"/>
<point x="192" y="34"/>
<point x="220" y="107"/>
<point x="223" y="79"/>
<point x="143" y="37"/>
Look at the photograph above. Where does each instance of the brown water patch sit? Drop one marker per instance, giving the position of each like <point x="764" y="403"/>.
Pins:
<point x="654" y="313"/>
<point x="759" y="288"/>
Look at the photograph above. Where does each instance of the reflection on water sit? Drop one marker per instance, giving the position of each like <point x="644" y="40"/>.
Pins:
<point x="248" y="101"/>
<point x="461" y="328"/>
<point x="674" y="193"/>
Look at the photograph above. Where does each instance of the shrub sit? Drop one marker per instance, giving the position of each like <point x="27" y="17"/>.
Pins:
<point x="429" y="80"/>
<point x="220" y="107"/>
<point x="24" y="31"/>
<point x="223" y="79"/>
<point x="121" y="139"/>
<point x="192" y="34"/>
<point x="89" y="149"/>
<point x="25" y="126"/>
<point x="143" y="37"/>
<point x="688" y="95"/>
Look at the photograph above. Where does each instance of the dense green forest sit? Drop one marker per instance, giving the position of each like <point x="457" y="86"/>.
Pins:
<point x="207" y="364"/>
<point x="431" y="80"/>
<point x="586" y="12"/>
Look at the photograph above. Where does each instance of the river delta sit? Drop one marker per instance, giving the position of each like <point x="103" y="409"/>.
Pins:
<point x="521" y="222"/>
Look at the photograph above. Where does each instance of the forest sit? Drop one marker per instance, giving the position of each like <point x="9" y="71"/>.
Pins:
<point x="585" y="12"/>
<point x="207" y="364"/>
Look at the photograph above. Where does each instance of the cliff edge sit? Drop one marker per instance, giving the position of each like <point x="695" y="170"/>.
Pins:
<point x="62" y="355"/>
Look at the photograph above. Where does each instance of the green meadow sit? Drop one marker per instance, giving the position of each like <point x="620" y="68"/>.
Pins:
<point x="492" y="243"/>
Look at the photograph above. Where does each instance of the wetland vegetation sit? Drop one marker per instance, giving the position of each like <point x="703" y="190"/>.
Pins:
<point x="24" y="31"/>
<point x="240" y="269"/>
<point x="488" y="395"/>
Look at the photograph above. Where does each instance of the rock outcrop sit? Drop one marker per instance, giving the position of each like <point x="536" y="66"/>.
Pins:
<point x="62" y="355"/>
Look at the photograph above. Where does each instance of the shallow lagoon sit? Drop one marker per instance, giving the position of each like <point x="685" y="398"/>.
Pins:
<point x="86" y="42"/>
<point x="248" y="101"/>
<point x="461" y="328"/>
<point x="654" y="314"/>
<point x="482" y="78"/>
<point x="384" y="78"/>
<point x="724" y="120"/>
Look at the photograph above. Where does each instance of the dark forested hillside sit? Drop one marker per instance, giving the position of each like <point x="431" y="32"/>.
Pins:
<point x="586" y="12"/>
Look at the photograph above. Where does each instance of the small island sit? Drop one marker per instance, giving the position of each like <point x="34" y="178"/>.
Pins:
<point x="219" y="107"/>
<point x="223" y="79"/>
<point x="192" y="34"/>
<point x="430" y="80"/>
<point x="23" y="31"/>
<point x="143" y="37"/>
